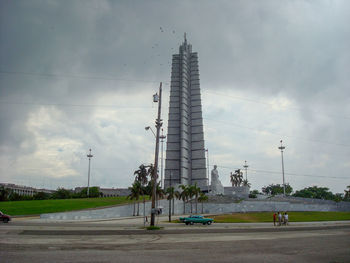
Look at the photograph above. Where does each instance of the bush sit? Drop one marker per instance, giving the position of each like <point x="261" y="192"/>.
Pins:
<point x="16" y="197"/>
<point x="41" y="196"/>
<point x="153" y="228"/>
<point x="275" y="189"/>
<point x="4" y="193"/>
<point x="62" y="193"/>
<point x="338" y="197"/>
<point x="253" y="194"/>
<point x="318" y="193"/>
<point x="93" y="192"/>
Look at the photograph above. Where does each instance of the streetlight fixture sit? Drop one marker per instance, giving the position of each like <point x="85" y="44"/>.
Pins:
<point x="284" y="185"/>
<point x="246" y="168"/>
<point x="88" y="188"/>
<point x="150" y="128"/>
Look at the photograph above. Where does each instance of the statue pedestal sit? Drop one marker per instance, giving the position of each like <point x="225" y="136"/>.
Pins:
<point x="237" y="191"/>
<point x="217" y="189"/>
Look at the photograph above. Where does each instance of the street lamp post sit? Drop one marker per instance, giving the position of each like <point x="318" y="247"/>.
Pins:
<point x="246" y="168"/>
<point x="88" y="188"/>
<point x="284" y="185"/>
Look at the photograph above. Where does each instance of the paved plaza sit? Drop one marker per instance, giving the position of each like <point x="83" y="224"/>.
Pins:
<point x="124" y="240"/>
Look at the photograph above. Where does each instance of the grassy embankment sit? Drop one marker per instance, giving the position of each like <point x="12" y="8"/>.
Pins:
<point x="36" y="207"/>
<point x="293" y="217"/>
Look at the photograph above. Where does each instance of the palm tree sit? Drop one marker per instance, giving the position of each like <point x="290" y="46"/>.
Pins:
<point x="159" y="190"/>
<point x="132" y="195"/>
<point x="171" y="194"/>
<point x="183" y="195"/>
<point x="232" y="179"/>
<point x="197" y="192"/>
<point x="142" y="174"/>
<point x="246" y="183"/>
<point x="347" y="193"/>
<point x="144" y="192"/>
<point x="135" y="191"/>
<point x="160" y="193"/>
<point x="202" y="198"/>
<point x="177" y="196"/>
<point x="190" y="192"/>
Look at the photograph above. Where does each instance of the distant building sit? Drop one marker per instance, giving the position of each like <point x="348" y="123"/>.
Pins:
<point x="185" y="155"/>
<point x="31" y="191"/>
<point x="108" y="192"/>
<point x="25" y="190"/>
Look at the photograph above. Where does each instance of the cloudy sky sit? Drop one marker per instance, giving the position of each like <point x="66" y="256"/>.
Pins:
<point x="76" y="75"/>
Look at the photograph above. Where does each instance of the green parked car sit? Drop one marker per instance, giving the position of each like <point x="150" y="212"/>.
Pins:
<point x="196" y="219"/>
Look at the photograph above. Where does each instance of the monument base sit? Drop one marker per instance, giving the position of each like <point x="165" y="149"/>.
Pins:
<point x="237" y="191"/>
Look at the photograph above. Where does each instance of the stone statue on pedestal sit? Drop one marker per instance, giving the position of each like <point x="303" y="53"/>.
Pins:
<point x="216" y="186"/>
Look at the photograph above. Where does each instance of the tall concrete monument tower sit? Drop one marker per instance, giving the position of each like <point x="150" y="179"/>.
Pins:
<point x="185" y="154"/>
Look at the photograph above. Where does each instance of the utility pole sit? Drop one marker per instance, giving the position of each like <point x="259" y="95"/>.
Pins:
<point x="284" y="185"/>
<point x="162" y="137"/>
<point x="207" y="169"/>
<point x="246" y="167"/>
<point x="155" y="172"/>
<point x="88" y="188"/>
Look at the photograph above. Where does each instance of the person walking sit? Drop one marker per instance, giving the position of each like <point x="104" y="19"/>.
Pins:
<point x="285" y="218"/>
<point x="279" y="218"/>
<point x="274" y="218"/>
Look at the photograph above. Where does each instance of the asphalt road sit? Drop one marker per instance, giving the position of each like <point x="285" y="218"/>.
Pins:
<point x="28" y="241"/>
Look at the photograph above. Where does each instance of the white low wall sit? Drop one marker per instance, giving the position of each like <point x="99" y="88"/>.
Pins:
<point x="208" y="208"/>
<point x="270" y="206"/>
<point x="111" y="212"/>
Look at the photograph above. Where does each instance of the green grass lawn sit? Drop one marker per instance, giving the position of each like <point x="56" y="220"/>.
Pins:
<point x="35" y="207"/>
<point x="258" y="217"/>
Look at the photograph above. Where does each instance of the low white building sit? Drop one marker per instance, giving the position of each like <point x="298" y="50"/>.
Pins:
<point x="24" y="190"/>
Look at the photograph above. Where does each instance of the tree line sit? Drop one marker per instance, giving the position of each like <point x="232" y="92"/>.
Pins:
<point x="308" y="192"/>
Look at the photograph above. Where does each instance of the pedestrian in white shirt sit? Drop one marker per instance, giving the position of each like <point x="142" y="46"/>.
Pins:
<point x="285" y="217"/>
<point x="279" y="218"/>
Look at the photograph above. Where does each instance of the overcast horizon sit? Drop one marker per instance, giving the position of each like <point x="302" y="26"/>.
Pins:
<point x="76" y="75"/>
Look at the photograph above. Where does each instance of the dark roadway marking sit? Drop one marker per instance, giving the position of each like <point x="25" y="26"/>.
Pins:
<point x="174" y="231"/>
